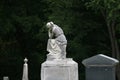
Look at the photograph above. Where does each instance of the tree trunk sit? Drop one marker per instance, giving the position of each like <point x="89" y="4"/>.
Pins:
<point x="118" y="72"/>
<point x="114" y="46"/>
<point x="111" y="39"/>
<point x="117" y="55"/>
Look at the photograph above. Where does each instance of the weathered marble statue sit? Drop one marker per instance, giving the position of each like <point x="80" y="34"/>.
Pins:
<point x="57" y="42"/>
<point x="57" y="66"/>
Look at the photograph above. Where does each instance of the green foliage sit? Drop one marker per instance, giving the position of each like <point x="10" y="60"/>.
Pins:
<point x="109" y="8"/>
<point x="23" y="33"/>
<point x="110" y="12"/>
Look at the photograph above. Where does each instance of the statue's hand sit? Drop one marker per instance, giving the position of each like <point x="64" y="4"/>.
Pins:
<point x="59" y="43"/>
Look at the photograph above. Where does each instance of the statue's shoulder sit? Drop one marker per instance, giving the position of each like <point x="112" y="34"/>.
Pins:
<point x="55" y="28"/>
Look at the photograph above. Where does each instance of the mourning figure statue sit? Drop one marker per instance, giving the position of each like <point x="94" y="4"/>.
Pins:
<point x="56" y="43"/>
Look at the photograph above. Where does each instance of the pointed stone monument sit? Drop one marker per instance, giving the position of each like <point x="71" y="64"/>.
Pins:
<point x="25" y="70"/>
<point x="57" y="66"/>
<point x="5" y="78"/>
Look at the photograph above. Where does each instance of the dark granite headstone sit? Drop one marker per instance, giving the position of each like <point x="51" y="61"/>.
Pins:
<point x="100" y="67"/>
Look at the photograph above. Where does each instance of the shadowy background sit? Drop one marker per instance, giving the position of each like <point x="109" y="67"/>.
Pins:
<point x="23" y="34"/>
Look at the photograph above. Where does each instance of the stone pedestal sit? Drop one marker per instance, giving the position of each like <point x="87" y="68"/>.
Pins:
<point x="65" y="69"/>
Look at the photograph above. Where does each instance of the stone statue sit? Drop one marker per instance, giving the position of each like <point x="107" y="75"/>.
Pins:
<point x="56" y="43"/>
<point x="57" y="66"/>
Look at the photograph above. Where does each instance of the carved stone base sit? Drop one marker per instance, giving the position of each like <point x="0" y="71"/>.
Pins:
<point x="64" y="69"/>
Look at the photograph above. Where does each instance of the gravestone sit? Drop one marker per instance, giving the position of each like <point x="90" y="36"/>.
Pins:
<point x="100" y="67"/>
<point x="5" y="78"/>
<point x="57" y="66"/>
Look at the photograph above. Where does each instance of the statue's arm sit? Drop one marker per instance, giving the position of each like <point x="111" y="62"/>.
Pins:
<point x="50" y="34"/>
<point x="64" y="43"/>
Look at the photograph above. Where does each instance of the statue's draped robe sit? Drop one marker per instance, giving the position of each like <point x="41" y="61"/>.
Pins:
<point x="57" y="46"/>
<point x="53" y="48"/>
